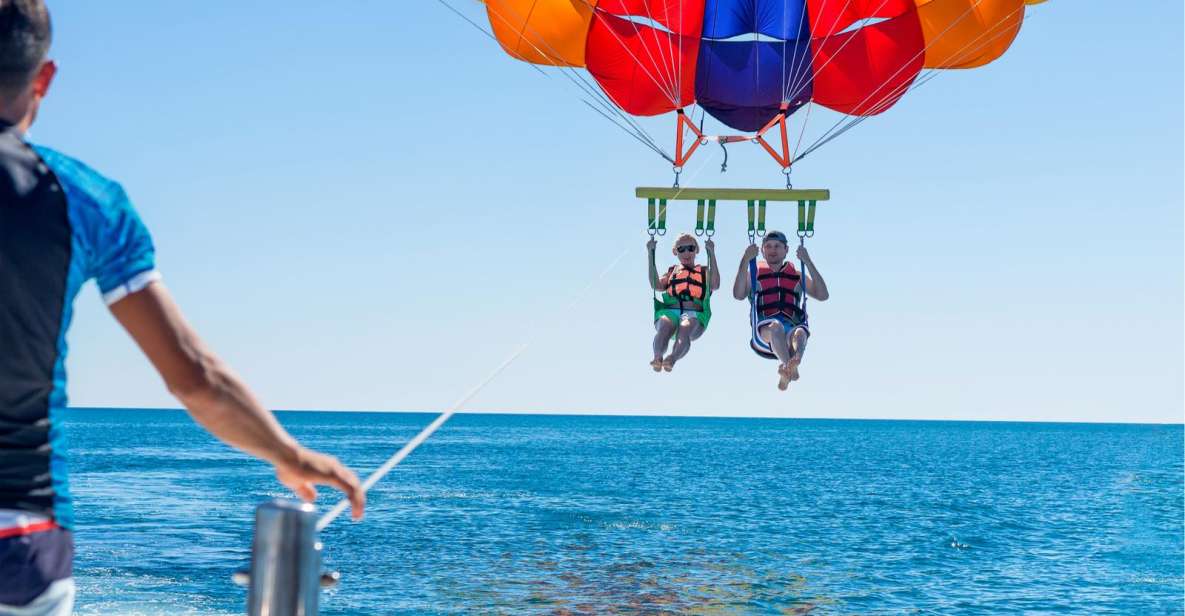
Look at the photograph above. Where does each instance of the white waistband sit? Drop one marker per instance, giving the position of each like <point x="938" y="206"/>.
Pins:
<point x="15" y="518"/>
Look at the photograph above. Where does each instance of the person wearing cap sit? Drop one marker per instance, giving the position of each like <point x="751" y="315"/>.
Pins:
<point x="775" y="288"/>
<point x="62" y="224"/>
<point x="684" y="310"/>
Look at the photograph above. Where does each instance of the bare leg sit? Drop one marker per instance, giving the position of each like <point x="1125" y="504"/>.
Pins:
<point x="664" y="329"/>
<point x="798" y="344"/>
<point x="775" y="335"/>
<point x="689" y="329"/>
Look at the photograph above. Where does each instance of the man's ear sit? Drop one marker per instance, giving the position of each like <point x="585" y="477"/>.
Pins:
<point x="44" y="78"/>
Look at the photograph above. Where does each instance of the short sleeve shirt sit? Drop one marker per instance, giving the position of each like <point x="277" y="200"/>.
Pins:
<point x="61" y="224"/>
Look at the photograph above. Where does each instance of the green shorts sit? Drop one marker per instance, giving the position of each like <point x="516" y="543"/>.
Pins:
<point x="677" y="316"/>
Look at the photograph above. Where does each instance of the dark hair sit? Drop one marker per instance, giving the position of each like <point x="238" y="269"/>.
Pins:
<point x="777" y="236"/>
<point x="25" y="34"/>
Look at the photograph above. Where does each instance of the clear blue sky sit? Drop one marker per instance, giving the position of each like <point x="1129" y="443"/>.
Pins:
<point x="367" y="205"/>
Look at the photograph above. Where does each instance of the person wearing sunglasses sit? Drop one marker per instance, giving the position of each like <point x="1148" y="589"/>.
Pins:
<point x="683" y="311"/>
<point x="775" y="290"/>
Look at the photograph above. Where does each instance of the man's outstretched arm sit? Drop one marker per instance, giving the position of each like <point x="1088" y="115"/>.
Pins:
<point x="219" y="401"/>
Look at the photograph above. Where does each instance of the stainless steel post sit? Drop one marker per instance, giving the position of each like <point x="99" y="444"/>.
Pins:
<point x="285" y="577"/>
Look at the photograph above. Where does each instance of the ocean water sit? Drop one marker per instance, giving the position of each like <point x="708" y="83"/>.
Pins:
<point x="502" y="514"/>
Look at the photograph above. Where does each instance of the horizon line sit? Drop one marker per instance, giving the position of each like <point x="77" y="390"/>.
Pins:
<point x="654" y="415"/>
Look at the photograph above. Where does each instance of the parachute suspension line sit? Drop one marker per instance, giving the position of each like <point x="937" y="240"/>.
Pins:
<point x="653" y="147"/>
<point x="879" y="104"/>
<point x="483" y="30"/>
<point x="580" y="82"/>
<point x="661" y="86"/>
<point x="577" y="79"/>
<point x="675" y="62"/>
<point x="591" y="90"/>
<point x="798" y="77"/>
<point x="887" y="95"/>
<point x="798" y="144"/>
<point x="800" y="73"/>
<point x="636" y="131"/>
<point x="832" y="133"/>
<point x="668" y="81"/>
<point x="815" y="52"/>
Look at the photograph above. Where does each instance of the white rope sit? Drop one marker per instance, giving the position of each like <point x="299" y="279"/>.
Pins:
<point x="418" y="440"/>
<point x="430" y="429"/>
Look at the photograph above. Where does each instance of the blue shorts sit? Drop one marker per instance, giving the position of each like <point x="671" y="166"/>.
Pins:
<point x="35" y="566"/>
<point x="759" y="345"/>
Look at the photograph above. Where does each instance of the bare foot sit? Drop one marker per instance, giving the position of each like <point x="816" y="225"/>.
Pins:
<point x="668" y="364"/>
<point x="656" y="363"/>
<point x="792" y="369"/>
<point x="784" y="373"/>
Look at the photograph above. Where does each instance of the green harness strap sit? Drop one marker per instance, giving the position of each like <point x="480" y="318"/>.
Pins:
<point x="756" y="199"/>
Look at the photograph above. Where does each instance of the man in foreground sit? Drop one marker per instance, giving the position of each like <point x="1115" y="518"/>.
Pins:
<point x="61" y="224"/>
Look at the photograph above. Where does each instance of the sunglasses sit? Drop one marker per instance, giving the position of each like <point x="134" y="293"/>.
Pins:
<point x="687" y="248"/>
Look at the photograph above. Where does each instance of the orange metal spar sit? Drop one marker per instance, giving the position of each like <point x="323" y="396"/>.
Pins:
<point x="779" y="120"/>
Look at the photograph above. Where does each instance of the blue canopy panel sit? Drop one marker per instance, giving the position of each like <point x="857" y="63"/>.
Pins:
<point x="743" y="80"/>
<point x="744" y="83"/>
<point x="779" y="19"/>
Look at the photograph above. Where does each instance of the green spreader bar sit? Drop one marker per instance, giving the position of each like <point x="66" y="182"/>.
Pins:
<point x="754" y="198"/>
<point x="733" y="194"/>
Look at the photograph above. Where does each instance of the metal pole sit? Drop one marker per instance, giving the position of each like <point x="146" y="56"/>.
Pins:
<point x="285" y="577"/>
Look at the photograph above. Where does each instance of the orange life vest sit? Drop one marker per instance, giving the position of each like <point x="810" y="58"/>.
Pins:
<point x="779" y="292"/>
<point x="686" y="284"/>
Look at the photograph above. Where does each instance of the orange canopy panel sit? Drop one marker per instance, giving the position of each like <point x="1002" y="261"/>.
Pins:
<point x="747" y="62"/>
<point x="542" y="31"/>
<point x="969" y="33"/>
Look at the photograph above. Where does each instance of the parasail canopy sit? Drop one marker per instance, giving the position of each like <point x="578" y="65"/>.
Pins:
<point x="745" y="62"/>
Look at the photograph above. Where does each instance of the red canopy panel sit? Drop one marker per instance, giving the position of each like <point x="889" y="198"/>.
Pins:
<point x="832" y="17"/>
<point x="865" y="71"/>
<point x="644" y="70"/>
<point x="686" y="18"/>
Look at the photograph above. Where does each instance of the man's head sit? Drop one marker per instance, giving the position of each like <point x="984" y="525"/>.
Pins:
<point x="685" y="249"/>
<point x="25" y="71"/>
<point x="775" y="248"/>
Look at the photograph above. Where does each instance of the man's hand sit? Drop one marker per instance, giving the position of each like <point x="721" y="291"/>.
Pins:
<point x="803" y="255"/>
<point x="220" y="401"/>
<point x="652" y="244"/>
<point x="710" y="246"/>
<point x="310" y="468"/>
<point x="750" y="253"/>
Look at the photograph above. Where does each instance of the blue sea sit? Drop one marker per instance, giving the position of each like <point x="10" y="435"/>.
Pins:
<point x="506" y="514"/>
